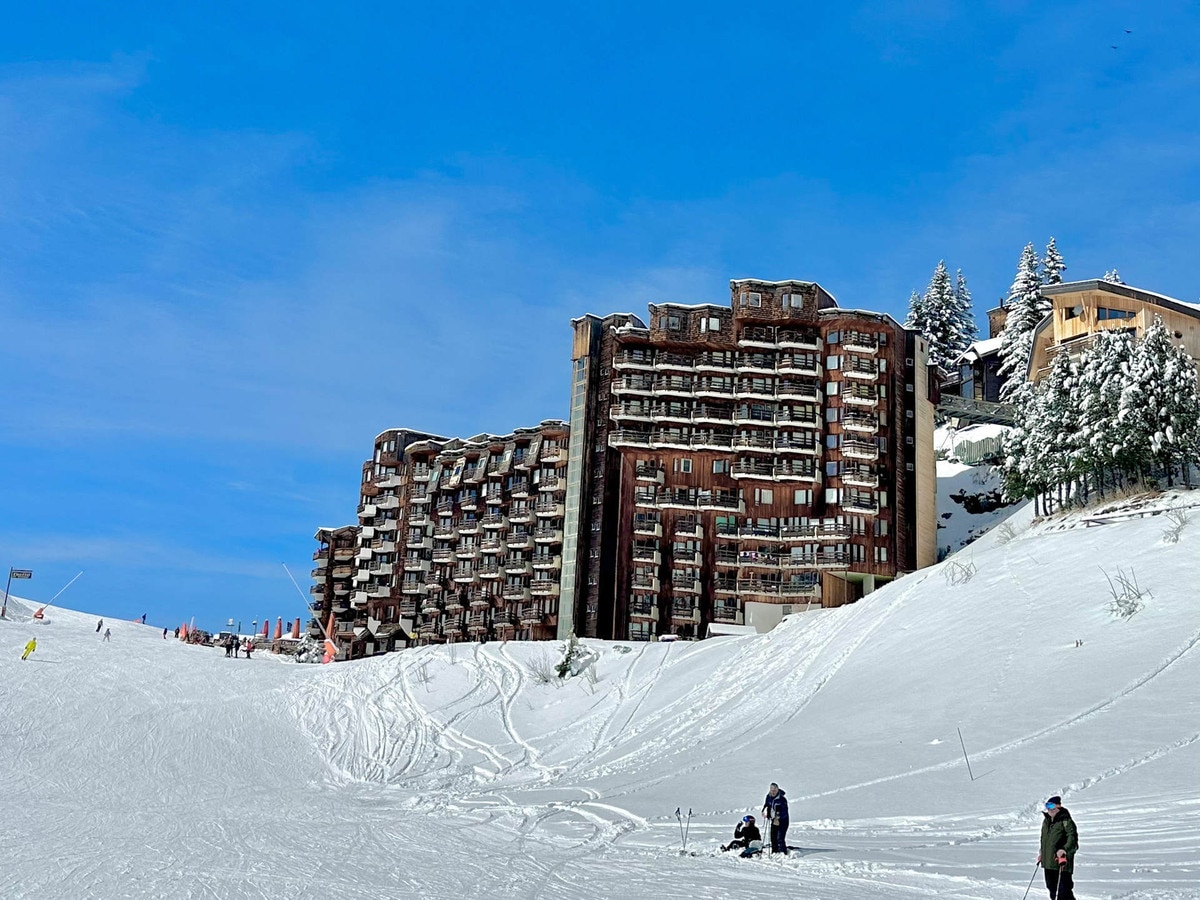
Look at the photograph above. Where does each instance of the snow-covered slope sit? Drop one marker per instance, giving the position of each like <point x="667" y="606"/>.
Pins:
<point x="144" y="768"/>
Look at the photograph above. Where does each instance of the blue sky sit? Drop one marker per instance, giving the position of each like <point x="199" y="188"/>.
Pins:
<point x="237" y="243"/>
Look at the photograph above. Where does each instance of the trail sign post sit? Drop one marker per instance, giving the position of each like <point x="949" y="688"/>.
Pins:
<point x="13" y="573"/>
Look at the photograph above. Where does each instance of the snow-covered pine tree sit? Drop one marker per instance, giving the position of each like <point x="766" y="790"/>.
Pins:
<point x="1104" y="442"/>
<point x="1017" y="470"/>
<point x="916" y="312"/>
<point x="1026" y="307"/>
<point x="1055" y="442"/>
<point x="1158" y="403"/>
<point x="1052" y="264"/>
<point x="1113" y="277"/>
<point x="965" y="329"/>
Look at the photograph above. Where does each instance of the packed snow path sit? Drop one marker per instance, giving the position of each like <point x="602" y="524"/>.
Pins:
<point x="144" y="768"/>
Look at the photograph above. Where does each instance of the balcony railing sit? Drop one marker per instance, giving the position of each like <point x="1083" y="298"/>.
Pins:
<point x="860" y="423"/>
<point x="860" y="341"/>
<point x="757" y="336"/>
<point x="676" y="361"/>
<point x="792" y="338"/>
<point x="860" y="395"/>
<point x="859" y="450"/>
<point x="633" y="359"/>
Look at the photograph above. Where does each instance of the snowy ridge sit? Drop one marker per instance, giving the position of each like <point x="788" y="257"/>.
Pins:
<point x="455" y="772"/>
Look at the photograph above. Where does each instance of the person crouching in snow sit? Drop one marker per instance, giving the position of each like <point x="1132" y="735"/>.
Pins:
<point x="745" y="836"/>
<point x="775" y="808"/>
<point x="29" y="648"/>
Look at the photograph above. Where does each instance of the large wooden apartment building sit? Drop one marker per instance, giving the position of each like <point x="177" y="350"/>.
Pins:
<point x="732" y="463"/>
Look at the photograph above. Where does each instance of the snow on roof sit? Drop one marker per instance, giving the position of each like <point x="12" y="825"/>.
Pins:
<point x="723" y="629"/>
<point x="1124" y="290"/>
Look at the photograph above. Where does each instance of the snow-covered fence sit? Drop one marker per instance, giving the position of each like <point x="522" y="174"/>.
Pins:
<point x="972" y="453"/>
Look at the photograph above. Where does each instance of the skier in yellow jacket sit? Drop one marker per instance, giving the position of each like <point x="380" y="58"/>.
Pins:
<point x="29" y="648"/>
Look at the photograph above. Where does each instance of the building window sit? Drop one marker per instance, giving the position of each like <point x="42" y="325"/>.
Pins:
<point x="881" y="554"/>
<point x="881" y="528"/>
<point x="751" y="299"/>
<point x="710" y="323"/>
<point x="683" y="465"/>
<point x="834" y="337"/>
<point x="831" y="495"/>
<point x="831" y="467"/>
<point x="764" y="495"/>
<point x="674" y="323"/>
<point x="720" y="467"/>
<point x="802" y="497"/>
<point x="831" y="413"/>
<point x="831" y="441"/>
<point x="833" y="362"/>
<point x="1104" y="313"/>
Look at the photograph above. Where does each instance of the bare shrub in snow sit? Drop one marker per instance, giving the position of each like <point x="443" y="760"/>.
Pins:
<point x="1005" y="533"/>
<point x="542" y="667"/>
<point x="1127" y="598"/>
<point x="1177" y="519"/>
<point x="957" y="572"/>
<point x="576" y="658"/>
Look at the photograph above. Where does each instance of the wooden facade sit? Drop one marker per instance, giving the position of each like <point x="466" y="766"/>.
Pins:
<point x="768" y="452"/>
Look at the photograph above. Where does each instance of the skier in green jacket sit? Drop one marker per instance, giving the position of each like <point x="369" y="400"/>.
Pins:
<point x="1060" y="840"/>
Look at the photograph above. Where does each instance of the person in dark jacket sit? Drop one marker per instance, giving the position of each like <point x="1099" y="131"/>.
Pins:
<point x="1059" y="842"/>
<point x="745" y="832"/>
<point x="775" y="809"/>
<point x="99" y="625"/>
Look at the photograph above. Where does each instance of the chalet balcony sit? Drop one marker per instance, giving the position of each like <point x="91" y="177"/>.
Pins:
<point x="544" y="563"/>
<point x="645" y="497"/>
<point x="443" y="555"/>
<point x="860" y="342"/>
<point x="494" y="495"/>
<point x="321" y="558"/>
<point x="545" y="588"/>
<point x="711" y="440"/>
<point x="727" y="613"/>
<point x="431" y="607"/>
<point x="859" y="450"/>
<point x="860" y="423"/>
<point x="692" y="559"/>
<point x="673" y="386"/>
<point x="633" y="385"/>
<point x="678" y="412"/>
<point x="725" y="587"/>
<point x="714" y="361"/>
<point x="548" y="536"/>
<point x="810" y="589"/>
<point x="552" y="452"/>
<point x="759" y="586"/>
<point x="446" y="532"/>
<point x="808" y="446"/>
<point x="492" y="546"/>
<point x="689" y="528"/>
<point x="415" y="564"/>
<point x="466" y="576"/>
<point x="861" y="477"/>
<point x="367" y="510"/>
<point x="413" y="588"/>
<point x="794" y="471"/>
<point x="520" y="515"/>
<point x="801" y="562"/>
<point x="712" y="415"/>
<point x="490" y="571"/>
<point x="758" y="559"/>
<point x="726" y="558"/>
<point x="860" y="369"/>
<point x="494" y="523"/>
<point x="684" y="611"/>
<point x="515" y="592"/>
<point x="420" y="498"/>
<point x="754" y="441"/>
<point x="467" y="551"/>
<point x="759" y="532"/>
<point x="753" y="470"/>
<point x="792" y="339"/>
<point x="832" y="531"/>
<point x="794" y="389"/>
<point x="717" y="388"/>
<point x="682" y="584"/>
<point x="644" y="583"/>
<point x="647" y="527"/>
<point x="469" y="503"/>
<point x="418" y="519"/>
<point x="519" y="540"/>
<point x="387" y="502"/>
<point x="468" y="526"/>
<point x="649" y="473"/>
<point x="445" y="508"/>
<point x="832" y="561"/>
<point x="720" y="503"/>
<point x="860" y="395"/>
<point x="633" y="360"/>
<point x="640" y="609"/>
<point x="341" y="554"/>
<point x="673" y="438"/>
<point x="531" y="614"/>
<point x="791" y="364"/>
<point x="477" y="624"/>
<point x="763" y="389"/>
<point x="476" y="600"/>
<point x="379" y="568"/>
<point x="674" y="362"/>
<point x="318" y="575"/>
<point x="756" y="363"/>
<point x="433" y="583"/>
<point x="861" y="506"/>
<point x="518" y="565"/>
<point x="638" y="411"/>
<point x="647" y="555"/>
<point x="420" y="473"/>
<point x="552" y="510"/>
<point x="342" y="571"/>
<point x="757" y="336"/>
<point x="519" y="490"/>
<point x="626" y="437"/>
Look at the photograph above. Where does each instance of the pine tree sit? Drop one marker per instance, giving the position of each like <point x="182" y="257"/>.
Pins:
<point x="1105" y="444"/>
<point x="936" y="315"/>
<point x="1052" y="265"/>
<point x="916" y="312"/>
<point x="965" y="329"/>
<point x="1026" y="307"/>
<point x="1113" y="277"/>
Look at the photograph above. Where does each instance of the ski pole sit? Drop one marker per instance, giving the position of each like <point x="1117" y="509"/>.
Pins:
<point x="679" y="819"/>
<point x="1058" y="889"/>
<point x="688" y="828"/>
<point x="1031" y="877"/>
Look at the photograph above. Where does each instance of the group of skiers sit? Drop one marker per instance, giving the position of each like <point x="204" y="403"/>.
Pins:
<point x="1056" y="856"/>
<point x="748" y="838"/>
<point x="232" y="646"/>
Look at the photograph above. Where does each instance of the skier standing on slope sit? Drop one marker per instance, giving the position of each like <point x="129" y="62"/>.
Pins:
<point x="99" y="625"/>
<point x="29" y="648"/>
<point x="107" y="634"/>
<point x="775" y="808"/>
<point x="1059" y="842"/>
